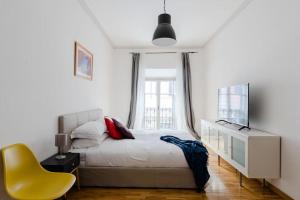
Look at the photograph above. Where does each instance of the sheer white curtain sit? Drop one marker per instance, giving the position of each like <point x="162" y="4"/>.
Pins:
<point x="179" y="98"/>
<point x="140" y="105"/>
<point x="161" y="61"/>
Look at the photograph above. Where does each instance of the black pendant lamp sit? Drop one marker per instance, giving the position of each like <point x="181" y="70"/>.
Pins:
<point x="164" y="34"/>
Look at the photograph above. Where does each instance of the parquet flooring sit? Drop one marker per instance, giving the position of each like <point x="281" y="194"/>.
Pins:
<point x="223" y="185"/>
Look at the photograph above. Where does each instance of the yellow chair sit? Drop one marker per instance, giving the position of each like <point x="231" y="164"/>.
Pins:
<point x="24" y="178"/>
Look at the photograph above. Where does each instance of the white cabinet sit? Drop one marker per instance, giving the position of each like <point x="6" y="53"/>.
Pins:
<point x="223" y="143"/>
<point x="205" y="133"/>
<point x="254" y="153"/>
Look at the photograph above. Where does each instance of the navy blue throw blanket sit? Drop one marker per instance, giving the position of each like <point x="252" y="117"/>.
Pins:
<point x="196" y="156"/>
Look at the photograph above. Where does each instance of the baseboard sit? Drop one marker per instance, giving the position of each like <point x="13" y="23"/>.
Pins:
<point x="276" y="190"/>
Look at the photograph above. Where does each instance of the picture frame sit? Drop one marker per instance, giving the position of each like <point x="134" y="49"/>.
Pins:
<point x="83" y="62"/>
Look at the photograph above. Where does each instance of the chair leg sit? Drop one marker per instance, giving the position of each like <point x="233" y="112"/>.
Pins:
<point x="77" y="177"/>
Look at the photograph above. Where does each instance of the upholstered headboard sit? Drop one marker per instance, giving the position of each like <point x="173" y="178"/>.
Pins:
<point x="67" y="123"/>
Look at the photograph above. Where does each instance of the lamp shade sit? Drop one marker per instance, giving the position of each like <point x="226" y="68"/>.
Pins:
<point x="61" y="140"/>
<point x="164" y="34"/>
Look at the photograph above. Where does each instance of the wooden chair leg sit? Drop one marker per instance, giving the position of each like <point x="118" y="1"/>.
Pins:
<point x="77" y="177"/>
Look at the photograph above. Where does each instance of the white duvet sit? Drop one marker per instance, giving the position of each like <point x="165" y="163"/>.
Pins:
<point x="146" y="150"/>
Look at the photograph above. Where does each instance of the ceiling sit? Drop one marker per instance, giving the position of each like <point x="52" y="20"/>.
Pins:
<point x="131" y="23"/>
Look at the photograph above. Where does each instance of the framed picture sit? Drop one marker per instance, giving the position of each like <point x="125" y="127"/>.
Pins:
<point x="83" y="62"/>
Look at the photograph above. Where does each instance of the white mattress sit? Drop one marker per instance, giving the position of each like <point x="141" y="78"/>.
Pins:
<point x="147" y="150"/>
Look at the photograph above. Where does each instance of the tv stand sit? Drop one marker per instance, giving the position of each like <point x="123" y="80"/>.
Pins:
<point x="221" y="120"/>
<point x="255" y="154"/>
<point x="243" y="127"/>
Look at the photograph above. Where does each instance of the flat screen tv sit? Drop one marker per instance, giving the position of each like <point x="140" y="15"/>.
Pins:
<point x="233" y="104"/>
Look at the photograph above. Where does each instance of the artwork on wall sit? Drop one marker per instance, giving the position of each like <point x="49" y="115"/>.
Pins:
<point x="83" y="62"/>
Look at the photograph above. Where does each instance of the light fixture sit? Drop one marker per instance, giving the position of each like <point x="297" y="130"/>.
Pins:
<point x="61" y="141"/>
<point x="164" y="34"/>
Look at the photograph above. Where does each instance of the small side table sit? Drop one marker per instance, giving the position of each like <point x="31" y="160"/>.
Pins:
<point x="70" y="165"/>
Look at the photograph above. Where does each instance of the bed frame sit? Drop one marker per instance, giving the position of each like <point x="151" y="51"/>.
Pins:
<point x="123" y="176"/>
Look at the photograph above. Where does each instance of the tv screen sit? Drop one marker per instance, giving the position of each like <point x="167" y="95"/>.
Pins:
<point x="233" y="104"/>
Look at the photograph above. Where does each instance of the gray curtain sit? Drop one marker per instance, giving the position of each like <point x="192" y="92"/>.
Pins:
<point x="134" y="89"/>
<point x="187" y="92"/>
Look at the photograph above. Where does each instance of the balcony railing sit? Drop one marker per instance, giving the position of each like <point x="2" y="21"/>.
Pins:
<point x="166" y="118"/>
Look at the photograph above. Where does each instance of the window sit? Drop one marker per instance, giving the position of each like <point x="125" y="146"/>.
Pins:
<point x="159" y="110"/>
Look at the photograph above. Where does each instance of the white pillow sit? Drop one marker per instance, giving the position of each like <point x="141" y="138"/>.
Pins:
<point x="84" y="143"/>
<point x="89" y="130"/>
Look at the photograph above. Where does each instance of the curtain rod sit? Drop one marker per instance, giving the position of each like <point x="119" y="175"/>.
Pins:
<point x="165" y="52"/>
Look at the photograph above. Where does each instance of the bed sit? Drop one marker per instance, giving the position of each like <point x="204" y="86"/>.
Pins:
<point x="144" y="162"/>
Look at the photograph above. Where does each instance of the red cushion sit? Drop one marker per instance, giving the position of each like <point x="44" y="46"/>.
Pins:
<point x="112" y="130"/>
<point x="126" y="134"/>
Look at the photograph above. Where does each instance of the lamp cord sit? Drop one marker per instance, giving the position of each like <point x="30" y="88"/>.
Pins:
<point x="165" y="6"/>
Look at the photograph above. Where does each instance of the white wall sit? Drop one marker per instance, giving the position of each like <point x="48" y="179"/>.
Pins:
<point x="121" y="83"/>
<point x="261" y="46"/>
<point x="37" y="61"/>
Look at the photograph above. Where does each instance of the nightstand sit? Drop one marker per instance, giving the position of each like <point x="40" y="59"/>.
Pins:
<point x="70" y="165"/>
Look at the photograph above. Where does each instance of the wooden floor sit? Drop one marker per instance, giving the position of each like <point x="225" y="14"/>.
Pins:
<point x="223" y="185"/>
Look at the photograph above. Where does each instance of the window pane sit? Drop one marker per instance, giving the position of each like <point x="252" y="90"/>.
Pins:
<point x="167" y="87"/>
<point x="166" y="112"/>
<point x="159" y="110"/>
<point x="167" y="109"/>
<point x="150" y="112"/>
<point x="150" y="118"/>
<point x="150" y="87"/>
<point x="166" y="101"/>
<point x="150" y="101"/>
